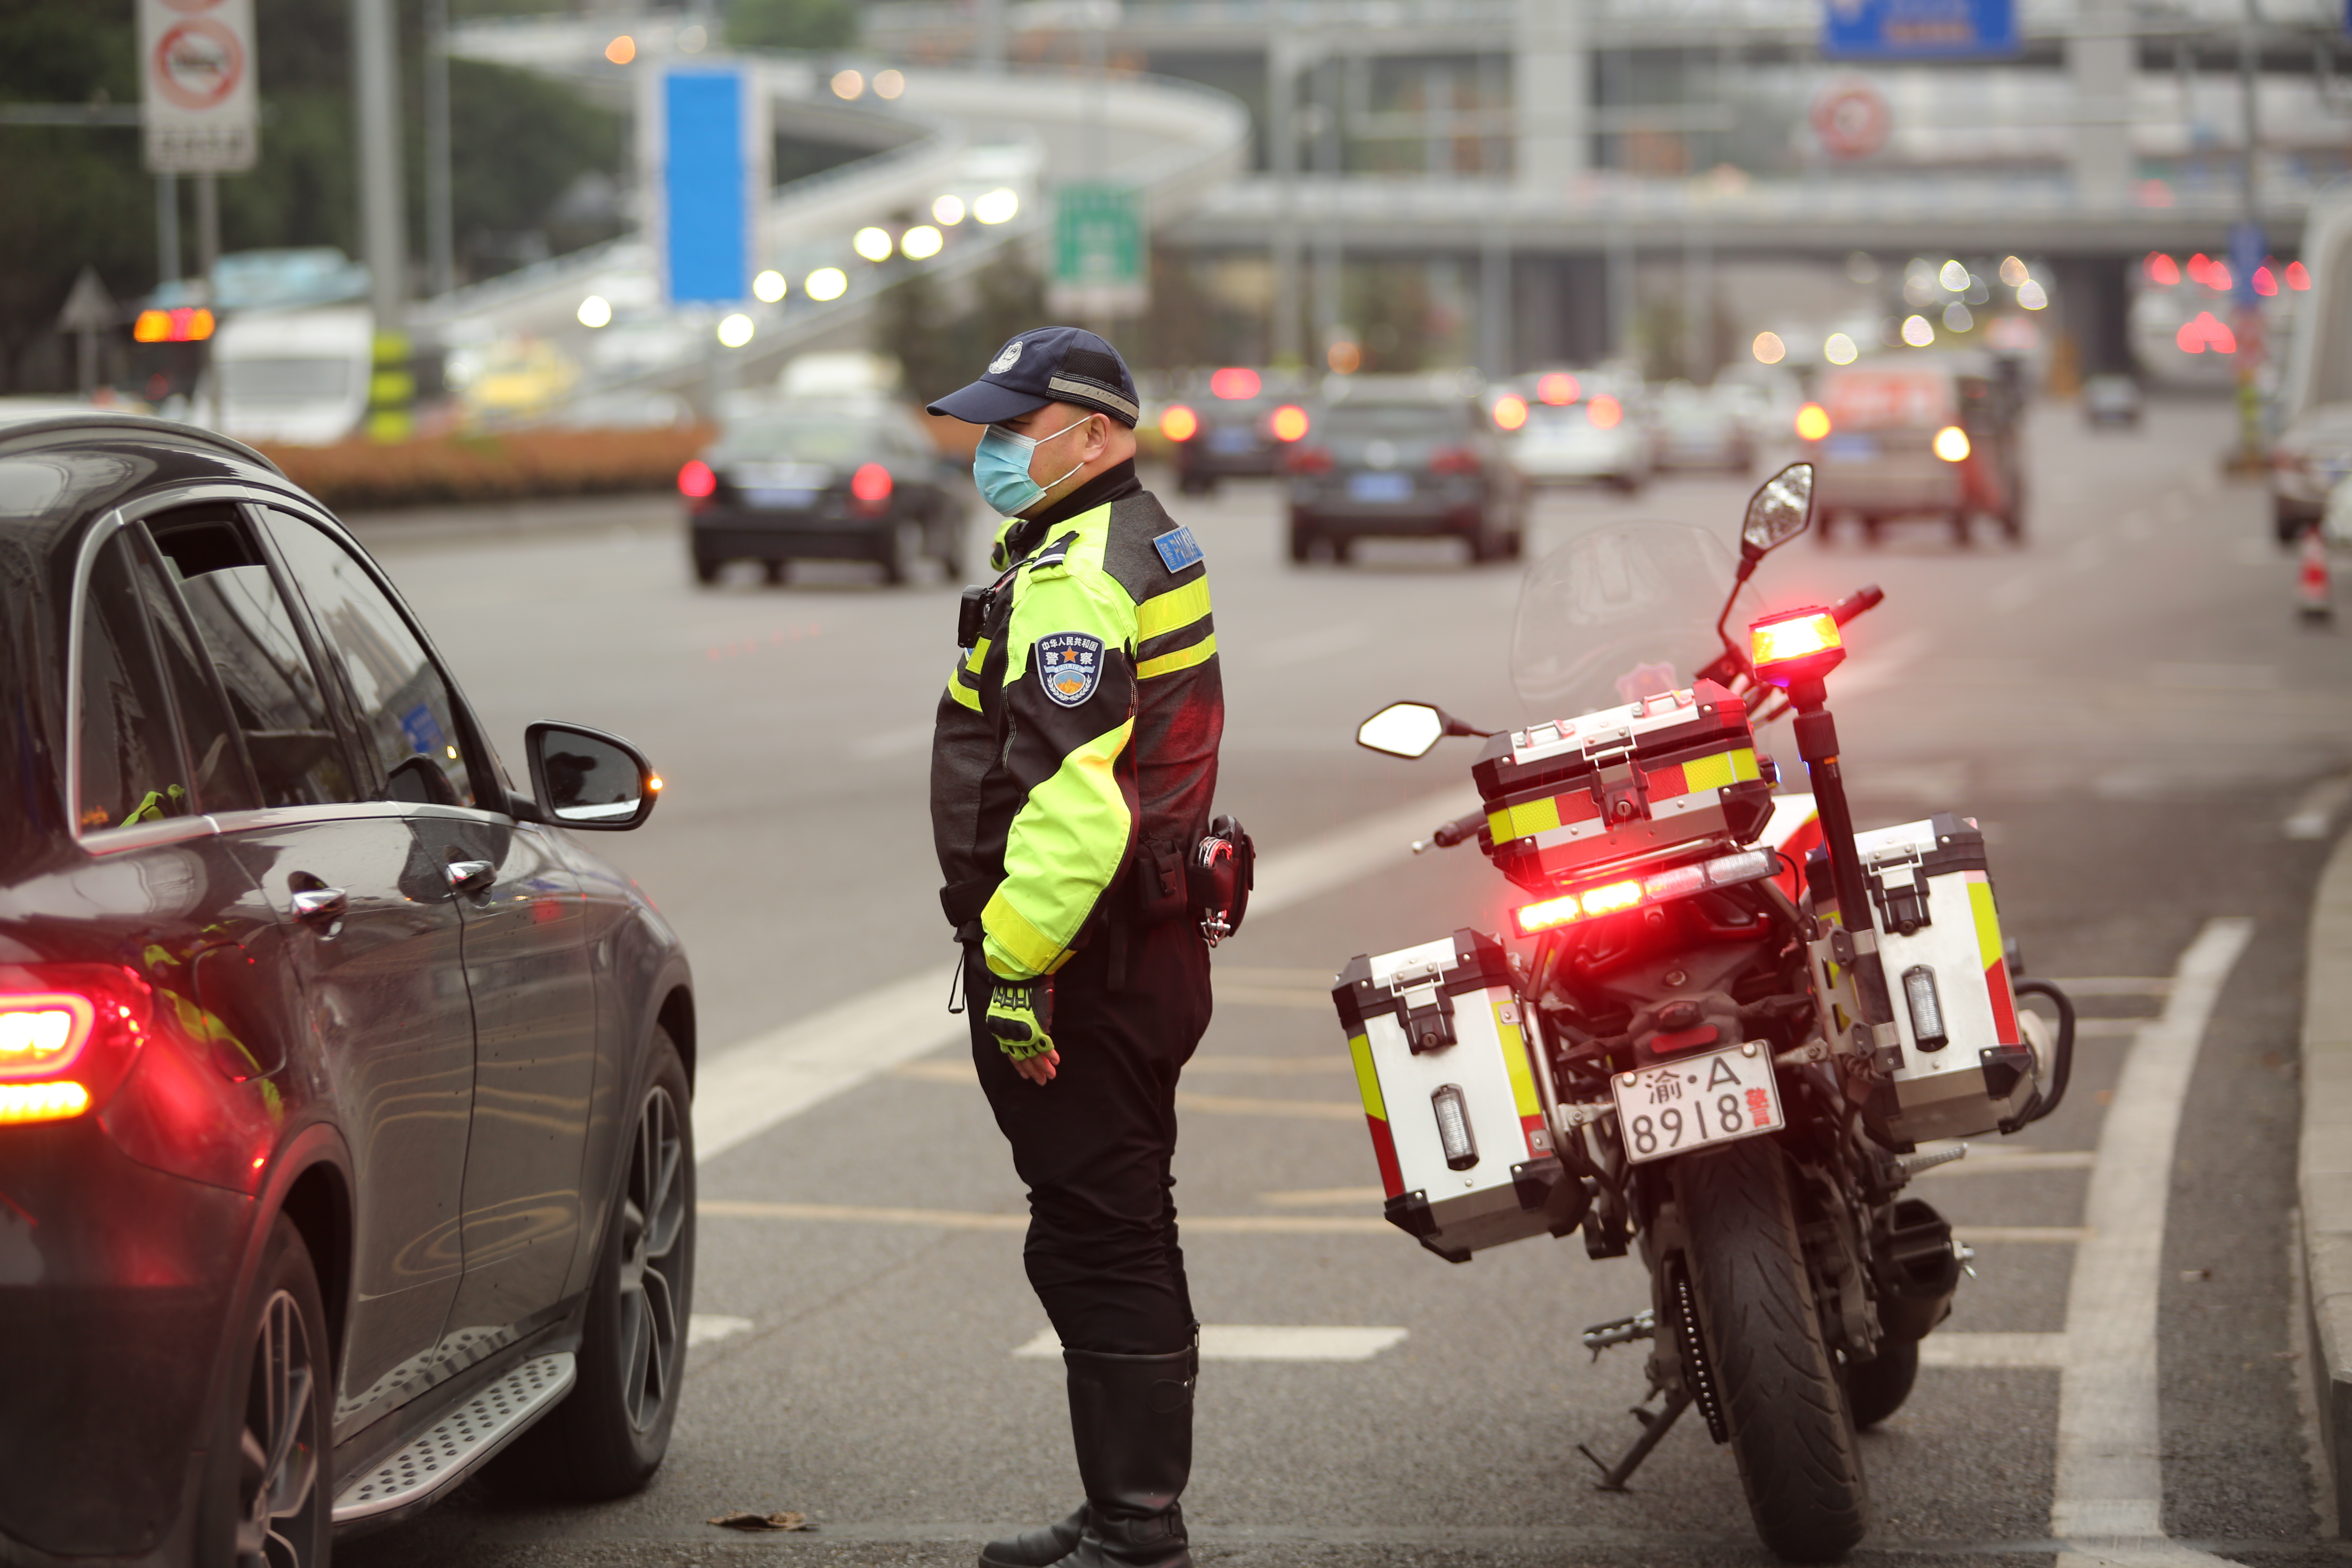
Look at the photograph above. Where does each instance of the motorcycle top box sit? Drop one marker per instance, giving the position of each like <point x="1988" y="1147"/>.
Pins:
<point x="1967" y="1066"/>
<point x="1621" y="785"/>
<point x="1458" y="1112"/>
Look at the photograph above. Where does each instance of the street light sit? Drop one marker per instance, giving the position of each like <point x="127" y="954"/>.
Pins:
<point x="735" y="331"/>
<point x="826" y="283"/>
<point x="768" y="286"/>
<point x="948" y="210"/>
<point x="921" y="243"/>
<point x="595" y="311"/>
<point x="999" y="205"/>
<point x="874" y="243"/>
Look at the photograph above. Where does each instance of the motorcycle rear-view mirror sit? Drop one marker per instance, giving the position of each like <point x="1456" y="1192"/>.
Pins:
<point x="1778" y="512"/>
<point x="1409" y="729"/>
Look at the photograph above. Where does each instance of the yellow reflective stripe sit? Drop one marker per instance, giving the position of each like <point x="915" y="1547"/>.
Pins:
<point x="964" y="695"/>
<point x="1061" y="852"/>
<point x="978" y="657"/>
<point x="1988" y="920"/>
<point x="1514" y="1062"/>
<point x="1182" y="659"/>
<point x="1167" y="611"/>
<point x="1017" y="950"/>
<point x="1367" y="1082"/>
<point x="1523" y="821"/>
<point x="1720" y="771"/>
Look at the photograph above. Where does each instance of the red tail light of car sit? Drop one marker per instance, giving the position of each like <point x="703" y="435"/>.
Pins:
<point x="696" y="481"/>
<point x="872" y="484"/>
<point x="1310" y="461"/>
<point x="69" y="1034"/>
<point x="1453" y="460"/>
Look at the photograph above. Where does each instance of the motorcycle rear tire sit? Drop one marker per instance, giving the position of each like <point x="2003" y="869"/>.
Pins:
<point x="1876" y="1389"/>
<point x="1783" y="1400"/>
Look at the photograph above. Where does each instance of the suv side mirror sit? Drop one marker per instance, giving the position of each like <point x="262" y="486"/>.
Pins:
<point x="587" y="779"/>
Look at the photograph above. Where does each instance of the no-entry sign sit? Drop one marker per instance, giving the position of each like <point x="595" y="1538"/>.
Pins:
<point x="196" y="71"/>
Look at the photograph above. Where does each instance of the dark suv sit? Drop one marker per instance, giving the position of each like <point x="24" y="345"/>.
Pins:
<point x="343" y="1097"/>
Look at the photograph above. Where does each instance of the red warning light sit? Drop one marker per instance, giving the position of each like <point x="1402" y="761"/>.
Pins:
<point x="1234" y="384"/>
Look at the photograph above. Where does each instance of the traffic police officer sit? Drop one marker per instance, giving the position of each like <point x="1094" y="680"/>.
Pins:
<point x="1072" y="769"/>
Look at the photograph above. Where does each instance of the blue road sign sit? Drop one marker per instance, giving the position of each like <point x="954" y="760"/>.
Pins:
<point x="2247" y="250"/>
<point x="1919" y="29"/>
<point x="705" y="188"/>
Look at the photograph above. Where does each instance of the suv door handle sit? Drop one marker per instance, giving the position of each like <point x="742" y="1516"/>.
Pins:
<point x="320" y="906"/>
<point x="467" y="874"/>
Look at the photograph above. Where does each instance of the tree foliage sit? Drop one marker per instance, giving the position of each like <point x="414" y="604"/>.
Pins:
<point x="792" y="24"/>
<point x="938" y="350"/>
<point x="76" y="195"/>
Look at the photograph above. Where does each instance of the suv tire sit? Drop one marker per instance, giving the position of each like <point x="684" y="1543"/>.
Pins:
<point x="608" y="1437"/>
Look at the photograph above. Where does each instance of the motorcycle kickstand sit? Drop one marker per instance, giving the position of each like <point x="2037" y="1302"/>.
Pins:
<point x="1654" y="1430"/>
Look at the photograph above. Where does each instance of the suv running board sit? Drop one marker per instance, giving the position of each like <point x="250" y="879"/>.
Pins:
<point x="460" y="1441"/>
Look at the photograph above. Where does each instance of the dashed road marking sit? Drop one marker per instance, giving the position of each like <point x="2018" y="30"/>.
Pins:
<point x="710" y="1328"/>
<point x="2315" y="813"/>
<point x="1262" y="1341"/>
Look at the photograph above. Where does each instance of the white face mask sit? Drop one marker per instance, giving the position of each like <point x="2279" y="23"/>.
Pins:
<point x="1000" y="467"/>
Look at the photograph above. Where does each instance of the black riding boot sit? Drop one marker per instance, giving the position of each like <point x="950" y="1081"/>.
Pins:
<point x="1038" y="1548"/>
<point x="1132" y="1416"/>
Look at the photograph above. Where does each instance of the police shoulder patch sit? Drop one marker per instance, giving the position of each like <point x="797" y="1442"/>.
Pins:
<point x="1178" y="549"/>
<point x="1069" y="665"/>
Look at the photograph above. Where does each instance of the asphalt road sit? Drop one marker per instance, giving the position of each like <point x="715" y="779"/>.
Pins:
<point x="2127" y="703"/>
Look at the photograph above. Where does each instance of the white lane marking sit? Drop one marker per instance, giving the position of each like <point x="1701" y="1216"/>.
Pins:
<point x="1321" y="643"/>
<point x="2214" y="676"/>
<point x="1993" y="1350"/>
<point x="710" y="1328"/>
<point x="887" y="743"/>
<point x="2018" y="591"/>
<point x="1883" y="666"/>
<point x="2315" y="812"/>
<point x="2110" y="1473"/>
<point x="772" y="1077"/>
<point x="1259" y="1342"/>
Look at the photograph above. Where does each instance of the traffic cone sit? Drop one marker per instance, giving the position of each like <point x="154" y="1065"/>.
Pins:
<point x="2314" y="595"/>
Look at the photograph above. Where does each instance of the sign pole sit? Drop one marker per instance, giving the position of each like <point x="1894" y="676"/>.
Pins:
<point x="384" y="233"/>
<point x="167" y="227"/>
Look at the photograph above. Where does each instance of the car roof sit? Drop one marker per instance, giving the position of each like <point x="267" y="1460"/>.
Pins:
<point x="58" y="470"/>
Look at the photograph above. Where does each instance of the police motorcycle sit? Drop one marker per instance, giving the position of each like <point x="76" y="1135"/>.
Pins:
<point x="1742" y="1026"/>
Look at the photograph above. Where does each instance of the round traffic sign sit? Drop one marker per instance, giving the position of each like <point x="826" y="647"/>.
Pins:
<point x="198" y="64"/>
<point x="1851" y="118"/>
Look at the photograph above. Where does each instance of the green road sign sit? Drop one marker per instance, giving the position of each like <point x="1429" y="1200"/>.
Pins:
<point x="1099" y="256"/>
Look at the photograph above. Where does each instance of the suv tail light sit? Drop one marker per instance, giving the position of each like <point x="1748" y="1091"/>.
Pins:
<point x="1310" y="461"/>
<point x="68" y="1035"/>
<point x="1455" y="460"/>
<point x="696" y="481"/>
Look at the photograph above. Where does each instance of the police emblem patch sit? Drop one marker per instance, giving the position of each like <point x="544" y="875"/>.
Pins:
<point x="1005" y="360"/>
<point x="1069" y="665"/>
<point x="1178" y="548"/>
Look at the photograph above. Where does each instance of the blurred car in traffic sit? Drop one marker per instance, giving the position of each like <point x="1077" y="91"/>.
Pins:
<point x="1915" y="437"/>
<point x="1698" y="428"/>
<point x="2311" y="456"/>
<point x="2111" y="400"/>
<point x="1235" y="423"/>
<point x="824" y="480"/>
<point x="1405" y="456"/>
<point x="1583" y="428"/>
<point x="344" y="1108"/>
<point x="512" y="377"/>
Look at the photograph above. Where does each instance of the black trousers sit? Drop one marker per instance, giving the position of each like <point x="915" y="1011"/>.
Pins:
<point x="1094" y="1145"/>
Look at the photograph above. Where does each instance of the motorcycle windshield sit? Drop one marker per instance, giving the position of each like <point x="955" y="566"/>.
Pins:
<point x="1621" y="613"/>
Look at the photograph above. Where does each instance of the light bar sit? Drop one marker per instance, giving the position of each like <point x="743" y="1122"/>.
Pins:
<point x="41" y="1035"/>
<point x="1615" y="898"/>
<point x="186" y="324"/>
<point x="1795" y="646"/>
<point x="42" y="1102"/>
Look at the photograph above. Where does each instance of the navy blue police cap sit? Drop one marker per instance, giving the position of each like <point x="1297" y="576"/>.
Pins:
<point x="1048" y="365"/>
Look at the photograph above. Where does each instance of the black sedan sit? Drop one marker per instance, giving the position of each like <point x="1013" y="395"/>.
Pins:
<point x="1238" y="424"/>
<point x="344" y="1136"/>
<point x="836" y="481"/>
<point x="1405" y="456"/>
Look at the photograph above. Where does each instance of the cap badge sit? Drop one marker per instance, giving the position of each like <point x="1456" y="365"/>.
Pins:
<point x="1007" y="360"/>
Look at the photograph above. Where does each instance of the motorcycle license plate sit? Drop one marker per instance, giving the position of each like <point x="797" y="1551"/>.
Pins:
<point x="1694" y="1102"/>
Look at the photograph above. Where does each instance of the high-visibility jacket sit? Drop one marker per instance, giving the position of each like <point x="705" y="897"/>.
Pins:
<point x="1075" y="756"/>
